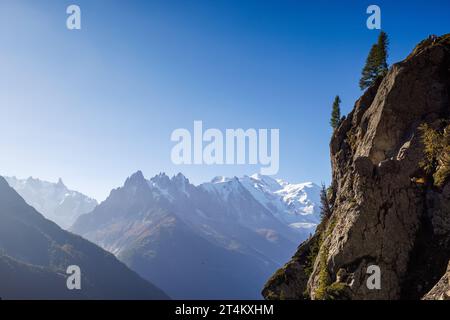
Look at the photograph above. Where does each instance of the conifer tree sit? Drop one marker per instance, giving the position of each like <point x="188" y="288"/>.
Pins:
<point x="370" y="70"/>
<point x="336" y="113"/>
<point x="376" y="63"/>
<point x="382" y="54"/>
<point x="325" y="207"/>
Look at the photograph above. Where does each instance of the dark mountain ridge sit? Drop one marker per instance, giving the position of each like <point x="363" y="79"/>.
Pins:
<point x="35" y="254"/>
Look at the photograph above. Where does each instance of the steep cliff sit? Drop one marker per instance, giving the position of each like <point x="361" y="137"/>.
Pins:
<point x="390" y="192"/>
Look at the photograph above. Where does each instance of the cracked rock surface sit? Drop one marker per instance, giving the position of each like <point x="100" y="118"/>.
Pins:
<point x="386" y="212"/>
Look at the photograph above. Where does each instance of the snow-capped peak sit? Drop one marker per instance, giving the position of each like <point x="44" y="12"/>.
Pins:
<point x="54" y="200"/>
<point x="219" y="179"/>
<point x="294" y="204"/>
<point x="264" y="182"/>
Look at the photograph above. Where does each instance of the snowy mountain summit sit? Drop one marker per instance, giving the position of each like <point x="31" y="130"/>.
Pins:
<point x="217" y="240"/>
<point x="297" y="205"/>
<point x="54" y="200"/>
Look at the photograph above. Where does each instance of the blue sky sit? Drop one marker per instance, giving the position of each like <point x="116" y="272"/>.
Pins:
<point x="94" y="105"/>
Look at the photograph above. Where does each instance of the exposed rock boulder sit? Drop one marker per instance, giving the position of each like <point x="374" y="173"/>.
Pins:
<point x="387" y="211"/>
<point x="441" y="291"/>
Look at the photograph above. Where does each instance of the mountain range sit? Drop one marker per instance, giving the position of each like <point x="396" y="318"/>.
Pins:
<point x="35" y="254"/>
<point x="218" y="240"/>
<point x="54" y="200"/>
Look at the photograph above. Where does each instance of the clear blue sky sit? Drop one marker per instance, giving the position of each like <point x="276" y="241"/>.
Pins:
<point x="93" y="106"/>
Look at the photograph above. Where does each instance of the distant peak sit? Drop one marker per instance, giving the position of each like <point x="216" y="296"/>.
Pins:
<point x="161" y="179"/>
<point x="257" y="176"/>
<point x="60" y="183"/>
<point x="264" y="179"/>
<point x="136" y="178"/>
<point x="161" y="175"/>
<point x="179" y="176"/>
<point x="138" y="174"/>
<point x="180" y="179"/>
<point x="260" y="177"/>
<point x="219" y="179"/>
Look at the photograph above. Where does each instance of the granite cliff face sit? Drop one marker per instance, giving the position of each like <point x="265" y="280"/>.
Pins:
<point x="390" y="193"/>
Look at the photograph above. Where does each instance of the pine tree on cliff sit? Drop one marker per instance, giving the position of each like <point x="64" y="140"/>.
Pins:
<point x="336" y="113"/>
<point x="369" y="72"/>
<point x="382" y="54"/>
<point x="325" y="207"/>
<point x="376" y="63"/>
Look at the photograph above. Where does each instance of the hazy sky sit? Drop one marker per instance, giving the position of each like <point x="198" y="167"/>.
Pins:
<point x="95" y="105"/>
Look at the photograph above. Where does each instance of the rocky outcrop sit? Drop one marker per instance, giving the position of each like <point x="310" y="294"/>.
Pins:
<point x="441" y="291"/>
<point x="388" y="212"/>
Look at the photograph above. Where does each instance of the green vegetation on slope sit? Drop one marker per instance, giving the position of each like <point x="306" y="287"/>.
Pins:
<point x="436" y="162"/>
